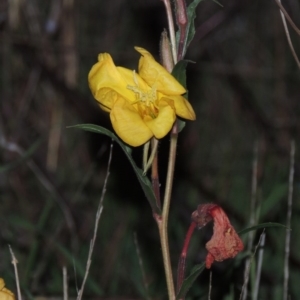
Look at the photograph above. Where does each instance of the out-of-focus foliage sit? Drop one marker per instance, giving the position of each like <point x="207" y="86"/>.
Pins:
<point x="244" y="86"/>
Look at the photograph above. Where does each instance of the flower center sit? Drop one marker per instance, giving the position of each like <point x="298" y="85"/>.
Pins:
<point x="145" y="100"/>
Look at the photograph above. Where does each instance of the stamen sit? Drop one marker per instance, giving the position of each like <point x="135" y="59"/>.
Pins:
<point x="148" y="97"/>
<point x="144" y="99"/>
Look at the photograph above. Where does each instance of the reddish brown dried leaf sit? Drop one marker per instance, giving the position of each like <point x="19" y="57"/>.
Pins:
<point x="225" y="242"/>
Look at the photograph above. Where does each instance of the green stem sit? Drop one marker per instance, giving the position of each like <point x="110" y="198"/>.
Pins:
<point x="162" y="221"/>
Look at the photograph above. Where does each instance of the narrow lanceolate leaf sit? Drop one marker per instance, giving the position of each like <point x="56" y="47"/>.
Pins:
<point x="189" y="281"/>
<point x="262" y="225"/>
<point x="191" y="14"/>
<point x="143" y="180"/>
<point x="217" y="2"/>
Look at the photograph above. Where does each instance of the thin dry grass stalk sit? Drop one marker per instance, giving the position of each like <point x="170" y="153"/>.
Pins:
<point x="65" y="283"/>
<point x="98" y="215"/>
<point x="288" y="37"/>
<point x="288" y="17"/>
<point x="15" y="262"/>
<point x="252" y="257"/>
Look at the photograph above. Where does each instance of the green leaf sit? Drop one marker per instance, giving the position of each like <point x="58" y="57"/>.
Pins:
<point x="179" y="72"/>
<point x="262" y="225"/>
<point x="217" y="2"/>
<point x="143" y="180"/>
<point x="25" y="156"/>
<point x="188" y="282"/>
<point x="191" y="14"/>
<point x="180" y="124"/>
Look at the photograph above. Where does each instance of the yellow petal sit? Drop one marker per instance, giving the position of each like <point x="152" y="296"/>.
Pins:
<point x="128" y="124"/>
<point x="104" y="108"/>
<point x="104" y="77"/>
<point x="162" y="124"/>
<point x="106" y="98"/>
<point x="157" y="76"/>
<point x="5" y="294"/>
<point x="133" y="80"/>
<point x="183" y="107"/>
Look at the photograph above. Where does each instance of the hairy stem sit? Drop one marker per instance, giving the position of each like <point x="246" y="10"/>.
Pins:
<point x="162" y="221"/>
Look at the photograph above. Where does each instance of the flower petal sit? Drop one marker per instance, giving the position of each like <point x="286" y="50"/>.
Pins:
<point x="133" y="80"/>
<point x="162" y="124"/>
<point x="157" y="76"/>
<point x="183" y="107"/>
<point x="104" y="74"/>
<point x="5" y="294"/>
<point x="128" y="124"/>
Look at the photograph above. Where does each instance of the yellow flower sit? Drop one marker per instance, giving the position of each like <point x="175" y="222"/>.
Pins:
<point x="141" y="105"/>
<point x="5" y="294"/>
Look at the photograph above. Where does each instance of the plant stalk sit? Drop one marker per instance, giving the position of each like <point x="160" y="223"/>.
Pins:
<point x="182" y="258"/>
<point x="162" y="221"/>
<point x="171" y="28"/>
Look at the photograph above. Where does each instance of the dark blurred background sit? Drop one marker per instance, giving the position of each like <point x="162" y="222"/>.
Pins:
<point x="244" y="87"/>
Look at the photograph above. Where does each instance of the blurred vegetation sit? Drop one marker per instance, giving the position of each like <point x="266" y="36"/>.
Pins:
<point x="244" y="86"/>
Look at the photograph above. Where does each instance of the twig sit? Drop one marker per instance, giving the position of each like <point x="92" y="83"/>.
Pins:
<point x="259" y="264"/>
<point x="288" y="17"/>
<point x="14" y="262"/>
<point x="252" y="257"/>
<point x="288" y="222"/>
<point x="289" y="38"/>
<point x="65" y="283"/>
<point x="98" y="215"/>
<point x="138" y="252"/>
